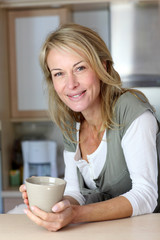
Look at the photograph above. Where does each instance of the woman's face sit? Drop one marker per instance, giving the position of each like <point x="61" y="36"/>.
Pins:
<point x="74" y="80"/>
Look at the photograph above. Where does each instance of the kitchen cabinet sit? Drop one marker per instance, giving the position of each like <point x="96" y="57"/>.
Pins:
<point x="27" y="32"/>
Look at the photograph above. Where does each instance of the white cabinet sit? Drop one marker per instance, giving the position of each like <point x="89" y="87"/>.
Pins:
<point x="27" y="32"/>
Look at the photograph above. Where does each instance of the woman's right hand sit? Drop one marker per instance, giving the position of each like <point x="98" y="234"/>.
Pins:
<point x="22" y="189"/>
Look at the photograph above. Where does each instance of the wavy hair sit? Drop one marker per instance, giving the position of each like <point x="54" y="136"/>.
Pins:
<point x="80" y="39"/>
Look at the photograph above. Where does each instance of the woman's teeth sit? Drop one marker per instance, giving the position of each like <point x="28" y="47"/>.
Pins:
<point x="77" y="95"/>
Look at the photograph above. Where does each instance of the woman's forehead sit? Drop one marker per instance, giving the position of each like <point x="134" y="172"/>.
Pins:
<point x="71" y="50"/>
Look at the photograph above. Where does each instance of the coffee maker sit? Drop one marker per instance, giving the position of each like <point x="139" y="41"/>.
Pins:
<point x="39" y="158"/>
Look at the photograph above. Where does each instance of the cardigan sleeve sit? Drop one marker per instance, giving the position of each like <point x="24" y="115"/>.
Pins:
<point x="139" y="146"/>
<point x="71" y="177"/>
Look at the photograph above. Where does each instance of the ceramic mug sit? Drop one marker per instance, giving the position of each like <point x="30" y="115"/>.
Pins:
<point x="44" y="192"/>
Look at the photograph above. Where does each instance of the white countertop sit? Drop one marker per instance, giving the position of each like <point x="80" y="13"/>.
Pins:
<point x="19" y="227"/>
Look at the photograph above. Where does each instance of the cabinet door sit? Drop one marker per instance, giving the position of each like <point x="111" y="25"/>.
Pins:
<point x="27" y="31"/>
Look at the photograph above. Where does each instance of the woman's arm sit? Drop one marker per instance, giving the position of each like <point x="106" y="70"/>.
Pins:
<point x="139" y="146"/>
<point x="115" y="208"/>
<point x="72" y="187"/>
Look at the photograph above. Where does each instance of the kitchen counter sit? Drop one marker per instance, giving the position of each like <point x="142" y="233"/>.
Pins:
<point x="146" y="227"/>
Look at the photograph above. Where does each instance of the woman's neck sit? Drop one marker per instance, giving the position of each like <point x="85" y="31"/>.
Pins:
<point x="93" y="117"/>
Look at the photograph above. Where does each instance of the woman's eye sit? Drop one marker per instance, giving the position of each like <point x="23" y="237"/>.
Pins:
<point x="58" y="74"/>
<point x="80" y="68"/>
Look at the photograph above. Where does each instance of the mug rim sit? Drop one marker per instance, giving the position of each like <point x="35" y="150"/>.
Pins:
<point x="44" y="179"/>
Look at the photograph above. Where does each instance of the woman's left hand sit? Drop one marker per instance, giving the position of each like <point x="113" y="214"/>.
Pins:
<point x="63" y="214"/>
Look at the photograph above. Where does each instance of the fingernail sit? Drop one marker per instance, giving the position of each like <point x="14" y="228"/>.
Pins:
<point x="25" y="211"/>
<point x="32" y="208"/>
<point x="55" y="209"/>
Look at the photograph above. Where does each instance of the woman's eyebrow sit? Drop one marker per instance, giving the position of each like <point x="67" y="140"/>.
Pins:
<point x="59" y="69"/>
<point x="77" y="63"/>
<point x="55" y="69"/>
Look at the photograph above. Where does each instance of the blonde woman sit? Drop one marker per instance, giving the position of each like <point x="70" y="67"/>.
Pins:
<point x="109" y="134"/>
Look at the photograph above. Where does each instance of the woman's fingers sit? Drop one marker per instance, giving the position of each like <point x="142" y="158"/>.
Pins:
<point x="26" y="202"/>
<point x="61" y="206"/>
<point x="49" y="217"/>
<point x="22" y="188"/>
<point x="62" y="216"/>
<point x="43" y="219"/>
<point x="24" y="195"/>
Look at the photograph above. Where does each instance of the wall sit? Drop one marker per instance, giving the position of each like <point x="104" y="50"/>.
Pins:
<point x="135" y="38"/>
<point x="98" y="20"/>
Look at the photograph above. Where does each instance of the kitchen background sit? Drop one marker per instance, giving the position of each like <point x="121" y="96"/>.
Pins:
<point x="130" y="30"/>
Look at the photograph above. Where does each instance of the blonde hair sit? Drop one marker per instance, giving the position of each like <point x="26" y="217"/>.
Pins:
<point x="74" y="37"/>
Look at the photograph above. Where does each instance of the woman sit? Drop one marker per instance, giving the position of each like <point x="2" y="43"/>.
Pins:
<point x="109" y="134"/>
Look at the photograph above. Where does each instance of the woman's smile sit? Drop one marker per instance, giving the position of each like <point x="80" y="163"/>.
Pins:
<point x="77" y="96"/>
<point x="74" y="80"/>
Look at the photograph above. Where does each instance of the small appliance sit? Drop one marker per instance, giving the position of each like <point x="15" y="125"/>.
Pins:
<point x="39" y="158"/>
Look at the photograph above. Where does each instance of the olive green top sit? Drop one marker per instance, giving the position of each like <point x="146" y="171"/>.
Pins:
<point x="114" y="178"/>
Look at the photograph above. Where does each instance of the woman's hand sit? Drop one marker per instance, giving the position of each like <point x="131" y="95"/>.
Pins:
<point x="63" y="214"/>
<point x="22" y="189"/>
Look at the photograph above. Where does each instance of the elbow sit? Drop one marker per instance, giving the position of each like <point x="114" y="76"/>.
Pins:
<point x="143" y="201"/>
<point x="150" y="200"/>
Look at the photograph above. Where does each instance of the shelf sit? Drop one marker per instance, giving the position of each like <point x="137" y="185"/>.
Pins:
<point x="64" y="3"/>
<point x="54" y="3"/>
<point x="11" y="194"/>
<point x="19" y="120"/>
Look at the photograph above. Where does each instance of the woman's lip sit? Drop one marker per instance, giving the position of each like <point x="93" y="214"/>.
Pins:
<point x="77" y="95"/>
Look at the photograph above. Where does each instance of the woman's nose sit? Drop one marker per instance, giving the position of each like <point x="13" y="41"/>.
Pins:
<point x="72" y="81"/>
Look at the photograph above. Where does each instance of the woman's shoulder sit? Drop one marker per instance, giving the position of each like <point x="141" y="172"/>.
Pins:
<point x="133" y="100"/>
<point x="129" y="106"/>
<point x="130" y="97"/>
